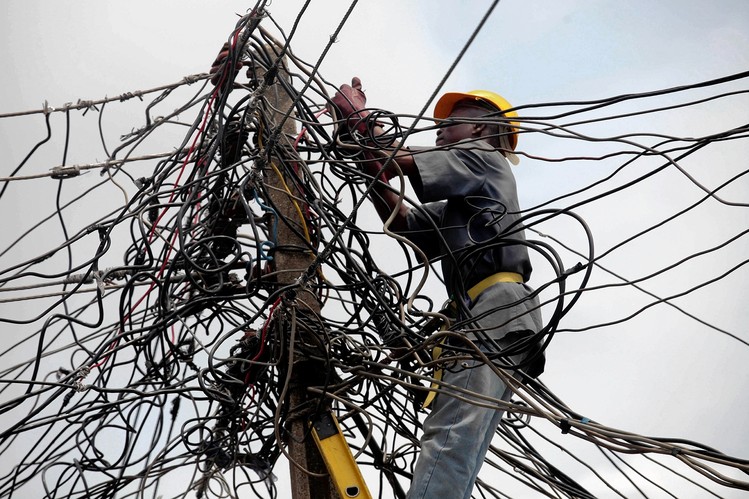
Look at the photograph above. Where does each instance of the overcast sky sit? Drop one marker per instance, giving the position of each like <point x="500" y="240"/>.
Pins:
<point x="661" y="373"/>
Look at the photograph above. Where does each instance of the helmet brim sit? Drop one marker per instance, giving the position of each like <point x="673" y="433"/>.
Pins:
<point x="446" y="103"/>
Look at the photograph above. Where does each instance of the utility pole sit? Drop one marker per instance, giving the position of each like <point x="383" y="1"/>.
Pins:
<point x="292" y="258"/>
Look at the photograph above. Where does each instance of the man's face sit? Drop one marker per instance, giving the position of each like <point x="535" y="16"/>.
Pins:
<point x="451" y="133"/>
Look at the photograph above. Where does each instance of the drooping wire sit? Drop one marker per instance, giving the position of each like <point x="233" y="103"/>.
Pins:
<point x="183" y="356"/>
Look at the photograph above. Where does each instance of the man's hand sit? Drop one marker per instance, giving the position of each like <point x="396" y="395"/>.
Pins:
<point x="219" y="64"/>
<point x="349" y="102"/>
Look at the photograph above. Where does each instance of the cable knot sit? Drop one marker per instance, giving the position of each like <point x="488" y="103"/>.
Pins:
<point x="190" y="79"/>
<point x="130" y="95"/>
<point x="86" y="105"/>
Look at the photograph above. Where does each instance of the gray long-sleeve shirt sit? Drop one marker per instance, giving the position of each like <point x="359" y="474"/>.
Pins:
<point x="469" y="218"/>
<point x="469" y="214"/>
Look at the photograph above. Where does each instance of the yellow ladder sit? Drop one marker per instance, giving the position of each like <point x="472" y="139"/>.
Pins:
<point x="338" y="458"/>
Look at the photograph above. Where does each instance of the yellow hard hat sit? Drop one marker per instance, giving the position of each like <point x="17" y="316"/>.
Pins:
<point x="447" y="102"/>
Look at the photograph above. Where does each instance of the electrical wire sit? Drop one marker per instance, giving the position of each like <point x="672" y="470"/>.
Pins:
<point x="179" y="368"/>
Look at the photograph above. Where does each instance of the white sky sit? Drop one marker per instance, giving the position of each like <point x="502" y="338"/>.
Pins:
<point x="659" y="374"/>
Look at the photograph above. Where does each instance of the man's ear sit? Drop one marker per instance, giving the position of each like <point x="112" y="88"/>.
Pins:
<point x="478" y="129"/>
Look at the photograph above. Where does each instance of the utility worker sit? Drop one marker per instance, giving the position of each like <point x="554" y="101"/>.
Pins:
<point x="468" y="218"/>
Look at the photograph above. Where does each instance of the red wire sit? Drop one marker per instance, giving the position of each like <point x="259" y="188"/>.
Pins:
<point x="190" y="152"/>
<point x="263" y="336"/>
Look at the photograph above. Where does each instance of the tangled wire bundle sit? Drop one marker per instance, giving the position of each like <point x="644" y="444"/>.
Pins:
<point x="251" y="297"/>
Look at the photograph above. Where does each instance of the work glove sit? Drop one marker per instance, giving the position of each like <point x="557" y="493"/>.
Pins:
<point x="349" y="103"/>
<point x="220" y="63"/>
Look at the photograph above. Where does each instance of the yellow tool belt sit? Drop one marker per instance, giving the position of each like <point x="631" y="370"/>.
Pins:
<point x="472" y="293"/>
<point x="490" y="281"/>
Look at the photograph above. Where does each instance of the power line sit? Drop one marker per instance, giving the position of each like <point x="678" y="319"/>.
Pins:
<point x="187" y="362"/>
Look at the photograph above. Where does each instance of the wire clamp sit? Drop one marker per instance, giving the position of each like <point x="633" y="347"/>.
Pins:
<point x="63" y="172"/>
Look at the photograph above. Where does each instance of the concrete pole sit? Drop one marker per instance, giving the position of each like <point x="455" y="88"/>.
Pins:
<point x="292" y="259"/>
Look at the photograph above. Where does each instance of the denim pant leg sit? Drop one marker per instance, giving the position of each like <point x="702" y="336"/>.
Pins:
<point x="457" y="436"/>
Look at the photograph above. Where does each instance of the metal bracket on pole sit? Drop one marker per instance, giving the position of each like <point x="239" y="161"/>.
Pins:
<point x="338" y="458"/>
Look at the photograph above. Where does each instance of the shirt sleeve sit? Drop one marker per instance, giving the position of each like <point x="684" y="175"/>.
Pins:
<point x="445" y="174"/>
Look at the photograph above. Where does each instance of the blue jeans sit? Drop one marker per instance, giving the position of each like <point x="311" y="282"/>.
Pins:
<point x="457" y="434"/>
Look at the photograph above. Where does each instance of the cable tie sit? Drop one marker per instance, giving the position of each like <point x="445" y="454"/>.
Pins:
<point x="47" y="109"/>
<point x="63" y="172"/>
<point x="565" y="426"/>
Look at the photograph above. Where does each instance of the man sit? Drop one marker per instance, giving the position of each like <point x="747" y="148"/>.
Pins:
<point x="469" y="219"/>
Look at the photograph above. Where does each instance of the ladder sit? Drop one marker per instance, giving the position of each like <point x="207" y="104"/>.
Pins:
<point x="338" y="458"/>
